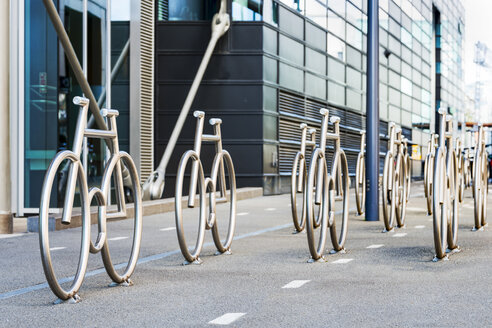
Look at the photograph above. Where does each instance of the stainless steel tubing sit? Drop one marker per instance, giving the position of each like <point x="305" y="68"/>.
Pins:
<point x="360" y="176"/>
<point x="339" y="169"/>
<point x="74" y="62"/>
<point x="44" y="241"/>
<point x="318" y="163"/>
<point x="154" y="186"/>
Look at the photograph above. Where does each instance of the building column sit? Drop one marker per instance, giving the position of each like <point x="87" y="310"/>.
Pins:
<point x="372" y="115"/>
<point x="6" y="222"/>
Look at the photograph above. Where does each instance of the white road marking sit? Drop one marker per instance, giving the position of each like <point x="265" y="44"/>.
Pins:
<point x="342" y="261"/>
<point x="117" y="238"/>
<point x="242" y="213"/>
<point x="296" y="283"/>
<point x="11" y="235"/>
<point x="270" y="209"/>
<point x="420" y="227"/>
<point x="226" y="319"/>
<point x="400" y="234"/>
<point x="375" y="246"/>
<point x="168" y="229"/>
<point x="469" y="206"/>
<point x="417" y="209"/>
<point x="430" y="220"/>
<point x="56" y="248"/>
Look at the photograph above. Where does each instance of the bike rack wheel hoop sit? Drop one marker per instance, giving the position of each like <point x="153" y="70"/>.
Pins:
<point x="360" y="184"/>
<point x="218" y="165"/>
<point x="440" y="204"/>
<point x="400" y="187"/>
<point x="298" y="169"/>
<point x="44" y="243"/>
<point x="388" y="192"/>
<point x="453" y="208"/>
<point x="194" y="254"/>
<point x="124" y="159"/>
<point x="312" y="187"/>
<point x="339" y="172"/>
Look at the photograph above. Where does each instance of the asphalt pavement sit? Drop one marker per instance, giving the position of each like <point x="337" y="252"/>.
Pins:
<point x="383" y="279"/>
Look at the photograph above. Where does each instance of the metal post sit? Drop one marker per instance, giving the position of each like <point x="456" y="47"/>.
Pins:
<point x="372" y="115"/>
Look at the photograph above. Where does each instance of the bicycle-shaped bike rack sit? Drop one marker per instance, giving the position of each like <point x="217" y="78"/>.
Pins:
<point x="118" y="161"/>
<point x="360" y="175"/>
<point x="480" y="181"/>
<point x="298" y="177"/>
<point x="216" y="184"/>
<point x="322" y="189"/>
<point x="394" y="181"/>
<point x="445" y="191"/>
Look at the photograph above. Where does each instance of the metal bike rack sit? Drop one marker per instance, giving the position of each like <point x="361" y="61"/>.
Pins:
<point x="154" y="186"/>
<point x="212" y="185"/>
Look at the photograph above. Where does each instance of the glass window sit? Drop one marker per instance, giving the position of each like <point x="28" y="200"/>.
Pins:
<point x="295" y="4"/>
<point x="337" y="6"/>
<point x="354" y="15"/>
<point x="406" y="38"/>
<point x="354" y="37"/>
<point x="336" y="25"/>
<point x="191" y="10"/>
<point x="406" y="86"/>
<point x="336" y="47"/>
<point x="316" y="11"/>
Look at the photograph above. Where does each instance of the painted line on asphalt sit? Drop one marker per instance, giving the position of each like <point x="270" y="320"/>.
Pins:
<point x="430" y="220"/>
<point x="416" y="209"/>
<point x="419" y="226"/>
<point x="151" y="258"/>
<point x="242" y="213"/>
<point x="226" y="319"/>
<point x="270" y="209"/>
<point x="168" y="229"/>
<point x="296" y="283"/>
<point x="117" y="238"/>
<point x="56" y="248"/>
<point x="399" y="234"/>
<point x="342" y="261"/>
<point x="12" y="235"/>
<point x="375" y="246"/>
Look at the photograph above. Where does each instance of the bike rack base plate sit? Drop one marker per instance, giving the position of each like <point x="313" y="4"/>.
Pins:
<point x="342" y="251"/>
<point x="320" y="260"/>
<point x="228" y="252"/>
<point x="127" y="283"/>
<point x="198" y="261"/>
<point x="436" y="259"/>
<point x="72" y="300"/>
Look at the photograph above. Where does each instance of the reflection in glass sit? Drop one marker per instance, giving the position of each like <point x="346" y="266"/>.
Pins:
<point x="316" y="11"/>
<point x="336" y="25"/>
<point x="336" y="47"/>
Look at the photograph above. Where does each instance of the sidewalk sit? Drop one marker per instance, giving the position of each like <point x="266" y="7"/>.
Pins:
<point x="384" y="279"/>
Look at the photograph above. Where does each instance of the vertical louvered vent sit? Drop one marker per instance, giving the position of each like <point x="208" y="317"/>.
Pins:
<point x="146" y="87"/>
<point x="163" y="10"/>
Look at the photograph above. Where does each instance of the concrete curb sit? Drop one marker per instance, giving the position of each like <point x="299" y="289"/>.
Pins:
<point x="150" y="207"/>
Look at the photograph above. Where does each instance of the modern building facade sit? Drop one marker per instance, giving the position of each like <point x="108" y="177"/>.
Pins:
<point x="285" y="59"/>
<point x="280" y="62"/>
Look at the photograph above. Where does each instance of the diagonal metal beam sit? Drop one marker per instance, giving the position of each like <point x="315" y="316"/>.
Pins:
<point x="74" y="62"/>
